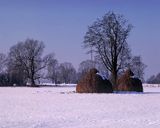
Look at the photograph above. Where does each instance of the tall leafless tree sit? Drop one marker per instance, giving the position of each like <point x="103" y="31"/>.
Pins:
<point x="138" y="67"/>
<point x="53" y="69"/>
<point x="108" y="39"/>
<point x="27" y="56"/>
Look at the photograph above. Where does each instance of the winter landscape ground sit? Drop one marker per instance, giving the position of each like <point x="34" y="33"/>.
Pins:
<point x="61" y="107"/>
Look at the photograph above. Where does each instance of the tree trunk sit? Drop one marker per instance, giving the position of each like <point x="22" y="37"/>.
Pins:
<point x="114" y="78"/>
<point x="33" y="83"/>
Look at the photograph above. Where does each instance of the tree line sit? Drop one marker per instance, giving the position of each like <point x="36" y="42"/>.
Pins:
<point x="26" y="64"/>
<point x="106" y="40"/>
<point x="154" y="79"/>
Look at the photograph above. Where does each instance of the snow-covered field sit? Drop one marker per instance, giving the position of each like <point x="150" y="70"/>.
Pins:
<point x="60" y="107"/>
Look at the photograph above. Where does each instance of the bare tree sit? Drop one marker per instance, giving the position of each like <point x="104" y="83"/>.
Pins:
<point x="9" y="75"/>
<point x="107" y="38"/>
<point x="85" y="66"/>
<point x="3" y="60"/>
<point x="27" y="56"/>
<point x="16" y="73"/>
<point x="53" y="69"/>
<point x="67" y="73"/>
<point x="3" y="74"/>
<point x="138" y="67"/>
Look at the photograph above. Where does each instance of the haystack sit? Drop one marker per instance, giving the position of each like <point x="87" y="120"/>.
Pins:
<point x="128" y="83"/>
<point x="93" y="83"/>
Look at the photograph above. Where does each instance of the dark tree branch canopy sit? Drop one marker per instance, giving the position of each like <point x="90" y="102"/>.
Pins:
<point x="27" y="55"/>
<point x="107" y="37"/>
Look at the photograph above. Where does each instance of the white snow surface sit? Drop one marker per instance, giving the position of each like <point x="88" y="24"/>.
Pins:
<point x="61" y="107"/>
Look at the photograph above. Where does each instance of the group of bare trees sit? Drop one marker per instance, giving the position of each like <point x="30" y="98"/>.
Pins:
<point x="26" y="64"/>
<point x="61" y="73"/>
<point x="154" y="79"/>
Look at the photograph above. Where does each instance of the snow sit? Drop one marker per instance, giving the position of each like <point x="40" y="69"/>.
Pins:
<point x="61" y="107"/>
<point x="59" y="85"/>
<point x="151" y="85"/>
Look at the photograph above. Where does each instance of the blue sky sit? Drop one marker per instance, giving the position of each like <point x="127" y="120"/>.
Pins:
<point x="62" y="24"/>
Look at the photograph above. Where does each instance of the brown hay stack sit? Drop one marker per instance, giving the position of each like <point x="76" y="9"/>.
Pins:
<point x="93" y="83"/>
<point x="127" y="83"/>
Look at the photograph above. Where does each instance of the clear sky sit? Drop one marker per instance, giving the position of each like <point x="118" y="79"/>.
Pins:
<point x="61" y="25"/>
